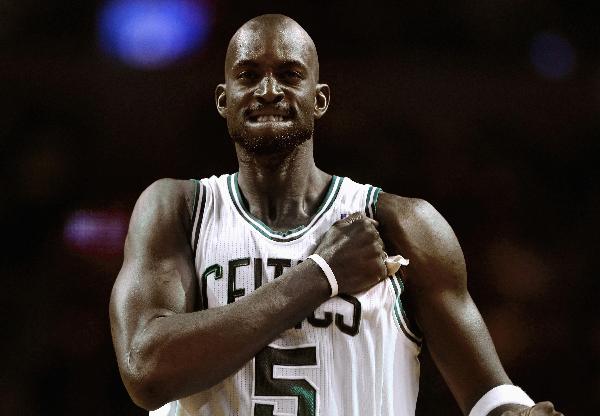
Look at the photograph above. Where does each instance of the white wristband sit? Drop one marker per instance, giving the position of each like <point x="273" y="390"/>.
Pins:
<point x="328" y="272"/>
<point x="499" y="395"/>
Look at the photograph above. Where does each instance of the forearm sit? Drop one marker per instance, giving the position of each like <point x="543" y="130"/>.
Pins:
<point x="461" y="346"/>
<point x="181" y="354"/>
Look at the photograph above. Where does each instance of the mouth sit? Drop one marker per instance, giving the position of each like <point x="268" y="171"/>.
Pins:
<point x="265" y="115"/>
<point x="268" y="118"/>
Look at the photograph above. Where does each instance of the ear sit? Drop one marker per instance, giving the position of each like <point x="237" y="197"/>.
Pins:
<point x="221" y="100"/>
<point x="322" y="98"/>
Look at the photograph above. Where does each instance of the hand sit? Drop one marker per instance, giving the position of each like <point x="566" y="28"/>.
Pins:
<point x="540" y="409"/>
<point x="354" y="250"/>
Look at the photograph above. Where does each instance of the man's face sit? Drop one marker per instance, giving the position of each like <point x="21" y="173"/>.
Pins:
<point x="271" y="88"/>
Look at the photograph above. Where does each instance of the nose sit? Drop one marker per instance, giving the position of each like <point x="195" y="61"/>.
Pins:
<point x="268" y="90"/>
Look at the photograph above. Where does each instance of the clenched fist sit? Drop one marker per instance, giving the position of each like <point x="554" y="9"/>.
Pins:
<point x="354" y="250"/>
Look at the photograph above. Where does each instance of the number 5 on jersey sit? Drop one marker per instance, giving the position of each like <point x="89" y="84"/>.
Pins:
<point x="269" y="388"/>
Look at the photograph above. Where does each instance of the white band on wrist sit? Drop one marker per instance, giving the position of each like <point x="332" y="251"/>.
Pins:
<point x="499" y="395"/>
<point x="328" y="272"/>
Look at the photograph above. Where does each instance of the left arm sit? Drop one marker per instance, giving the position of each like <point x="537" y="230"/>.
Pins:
<point x="436" y="282"/>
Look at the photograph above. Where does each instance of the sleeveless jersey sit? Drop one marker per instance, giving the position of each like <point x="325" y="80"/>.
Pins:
<point x="353" y="356"/>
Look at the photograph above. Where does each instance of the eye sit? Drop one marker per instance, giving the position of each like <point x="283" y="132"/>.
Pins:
<point x="247" y="75"/>
<point x="291" y="74"/>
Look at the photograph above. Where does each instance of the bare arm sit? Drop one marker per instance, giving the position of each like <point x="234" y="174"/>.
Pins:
<point x="436" y="282"/>
<point x="165" y="349"/>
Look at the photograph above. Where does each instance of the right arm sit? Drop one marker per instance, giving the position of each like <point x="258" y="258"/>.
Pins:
<point x="165" y="349"/>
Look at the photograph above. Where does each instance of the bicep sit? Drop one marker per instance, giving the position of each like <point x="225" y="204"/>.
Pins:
<point x="157" y="277"/>
<point x="436" y="281"/>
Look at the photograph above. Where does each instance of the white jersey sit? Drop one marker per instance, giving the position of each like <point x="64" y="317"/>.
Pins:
<point x="354" y="356"/>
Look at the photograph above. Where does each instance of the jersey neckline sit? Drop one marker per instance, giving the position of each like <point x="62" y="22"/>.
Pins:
<point x="288" y="235"/>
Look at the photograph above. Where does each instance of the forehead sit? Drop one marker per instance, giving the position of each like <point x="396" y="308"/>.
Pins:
<point x="281" y="43"/>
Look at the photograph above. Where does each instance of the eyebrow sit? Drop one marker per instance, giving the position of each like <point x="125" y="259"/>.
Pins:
<point x="244" y="62"/>
<point x="293" y="63"/>
<point x="253" y="64"/>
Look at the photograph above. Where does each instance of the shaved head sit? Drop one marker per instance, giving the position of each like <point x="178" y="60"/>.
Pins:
<point x="285" y="30"/>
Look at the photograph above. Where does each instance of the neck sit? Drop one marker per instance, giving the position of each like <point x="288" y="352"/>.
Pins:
<point x="282" y="190"/>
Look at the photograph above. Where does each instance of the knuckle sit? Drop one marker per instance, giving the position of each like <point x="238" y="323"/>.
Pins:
<point x="372" y="234"/>
<point x="372" y="231"/>
<point x="360" y="223"/>
<point x="376" y="251"/>
<point x="355" y="216"/>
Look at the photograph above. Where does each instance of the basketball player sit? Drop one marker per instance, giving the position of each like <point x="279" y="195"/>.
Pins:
<point x="266" y="291"/>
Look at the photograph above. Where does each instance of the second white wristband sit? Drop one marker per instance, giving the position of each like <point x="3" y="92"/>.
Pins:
<point x="499" y="395"/>
<point x="327" y="271"/>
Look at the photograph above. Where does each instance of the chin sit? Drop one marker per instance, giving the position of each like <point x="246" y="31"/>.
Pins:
<point x="271" y="142"/>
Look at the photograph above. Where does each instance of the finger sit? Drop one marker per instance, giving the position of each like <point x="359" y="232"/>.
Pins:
<point x="542" y="409"/>
<point x="380" y="242"/>
<point x="545" y="406"/>
<point x="372" y="221"/>
<point x="376" y="236"/>
<point x="355" y="216"/>
<point x="359" y="215"/>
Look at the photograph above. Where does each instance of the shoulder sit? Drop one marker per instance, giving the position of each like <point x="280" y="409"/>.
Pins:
<point x="168" y="190"/>
<point x="169" y="194"/>
<point x="390" y="206"/>
<point x="164" y="205"/>
<point x="411" y="217"/>
<point x="414" y="228"/>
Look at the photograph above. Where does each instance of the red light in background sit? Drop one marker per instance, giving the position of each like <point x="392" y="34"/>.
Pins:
<point x="96" y="232"/>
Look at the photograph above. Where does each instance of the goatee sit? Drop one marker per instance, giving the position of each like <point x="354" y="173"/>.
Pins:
<point x="271" y="144"/>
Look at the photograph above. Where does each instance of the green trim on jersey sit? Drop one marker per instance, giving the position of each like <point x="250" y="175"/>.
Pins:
<point x="400" y="314"/>
<point x="196" y="222"/>
<point x="200" y="189"/>
<point x="195" y="206"/>
<point x="282" y="236"/>
<point x="371" y="201"/>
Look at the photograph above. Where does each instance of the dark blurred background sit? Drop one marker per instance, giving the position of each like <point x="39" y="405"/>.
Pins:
<point x="489" y="110"/>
